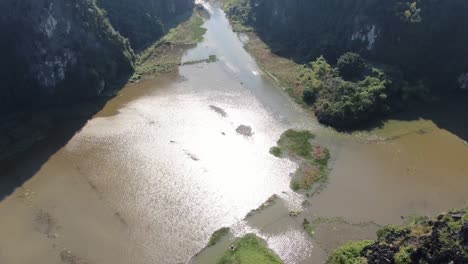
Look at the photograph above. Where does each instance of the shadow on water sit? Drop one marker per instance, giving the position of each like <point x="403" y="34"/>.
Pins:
<point x="449" y="112"/>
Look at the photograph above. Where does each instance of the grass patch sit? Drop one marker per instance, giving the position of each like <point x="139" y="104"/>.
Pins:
<point x="312" y="159"/>
<point x="309" y="227"/>
<point x="197" y="29"/>
<point x="189" y="32"/>
<point x="297" y="143"/>
<point x="165" y="55"/>
<point x="276" y="151"/>
<point x="250" y="250"/>
<point x="217" y="235"/>
<point x="211" y="59"/>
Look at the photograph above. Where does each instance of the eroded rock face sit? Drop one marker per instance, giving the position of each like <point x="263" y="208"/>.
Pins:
<point x="57" y="51"/>
<point x="463" y="81"/>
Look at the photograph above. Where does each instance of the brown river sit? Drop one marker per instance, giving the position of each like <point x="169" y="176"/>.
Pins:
<point x="161" y="166"/>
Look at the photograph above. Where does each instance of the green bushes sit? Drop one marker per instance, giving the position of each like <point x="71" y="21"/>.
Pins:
<point x="343" y="103"/>
<point x="350" y="253"/>
<point x="240" y="13"/>
<point x="440" y="240"/>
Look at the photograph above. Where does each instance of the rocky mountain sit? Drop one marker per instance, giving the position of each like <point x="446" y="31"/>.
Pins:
<point x="56" y="52"/>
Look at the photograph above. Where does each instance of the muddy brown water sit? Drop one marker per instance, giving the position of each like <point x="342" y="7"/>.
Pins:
<point x="152" y="175"/>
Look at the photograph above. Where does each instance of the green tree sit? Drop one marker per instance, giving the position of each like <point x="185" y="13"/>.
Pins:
<point x="351" y="66"/>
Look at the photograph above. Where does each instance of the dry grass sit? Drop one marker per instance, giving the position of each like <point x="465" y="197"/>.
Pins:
<point x="282" y="70"/>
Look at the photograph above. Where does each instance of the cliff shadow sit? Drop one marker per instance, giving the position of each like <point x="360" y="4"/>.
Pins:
<point x="28" y="139"/>
<point x="448" y="112"/>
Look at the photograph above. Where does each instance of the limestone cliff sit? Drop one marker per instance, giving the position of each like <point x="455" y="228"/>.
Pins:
<point x="426" y="38"/>
<point x="58" y="51"/>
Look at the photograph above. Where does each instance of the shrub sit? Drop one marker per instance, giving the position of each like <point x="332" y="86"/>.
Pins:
<point x="351" y="66"/>
<point x="350" y="253"/>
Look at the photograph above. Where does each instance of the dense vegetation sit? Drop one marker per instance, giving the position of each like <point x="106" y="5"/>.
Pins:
<point x="422" y="240"/>
<point x="354" y="91"/>
<point x="406" y="49"/>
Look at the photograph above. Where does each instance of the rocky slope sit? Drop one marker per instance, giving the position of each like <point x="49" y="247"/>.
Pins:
<point x="425" y="38"/>
<point x="57" y="52"/>
<point x="144" y="21"/>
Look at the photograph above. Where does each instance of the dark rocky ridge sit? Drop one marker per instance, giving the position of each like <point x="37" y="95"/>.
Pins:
<point x="429" y="43"/>
<point x="58" y="52"/>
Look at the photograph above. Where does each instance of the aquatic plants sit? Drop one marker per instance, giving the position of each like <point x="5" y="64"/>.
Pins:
<point x="217" y="235"/>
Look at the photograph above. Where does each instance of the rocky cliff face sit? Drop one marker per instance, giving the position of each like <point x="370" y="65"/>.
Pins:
<point x="143" y="21"/>
<point x="56" y="52"/>
<point x="427" y="39"/>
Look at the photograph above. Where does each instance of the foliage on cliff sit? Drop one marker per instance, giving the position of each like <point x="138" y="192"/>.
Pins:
<point x="240" y="14"/>
<point x="422" y="240"/>
<point x="144" y="21"/>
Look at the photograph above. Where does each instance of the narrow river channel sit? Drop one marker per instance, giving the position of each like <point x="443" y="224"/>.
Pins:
<point x="161" y="167"/>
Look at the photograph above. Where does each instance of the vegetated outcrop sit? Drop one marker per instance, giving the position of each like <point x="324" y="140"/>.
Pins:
<point x="426" y="38"/>
<point x="440" y="240"/>
<point x="144" y="21"/>
<point x="58" y="52"/>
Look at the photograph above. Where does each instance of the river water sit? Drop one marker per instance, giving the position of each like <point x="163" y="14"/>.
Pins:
<point x="151" y="176"/>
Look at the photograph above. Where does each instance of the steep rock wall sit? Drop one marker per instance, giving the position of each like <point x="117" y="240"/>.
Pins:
<point x="56" y="52"/>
